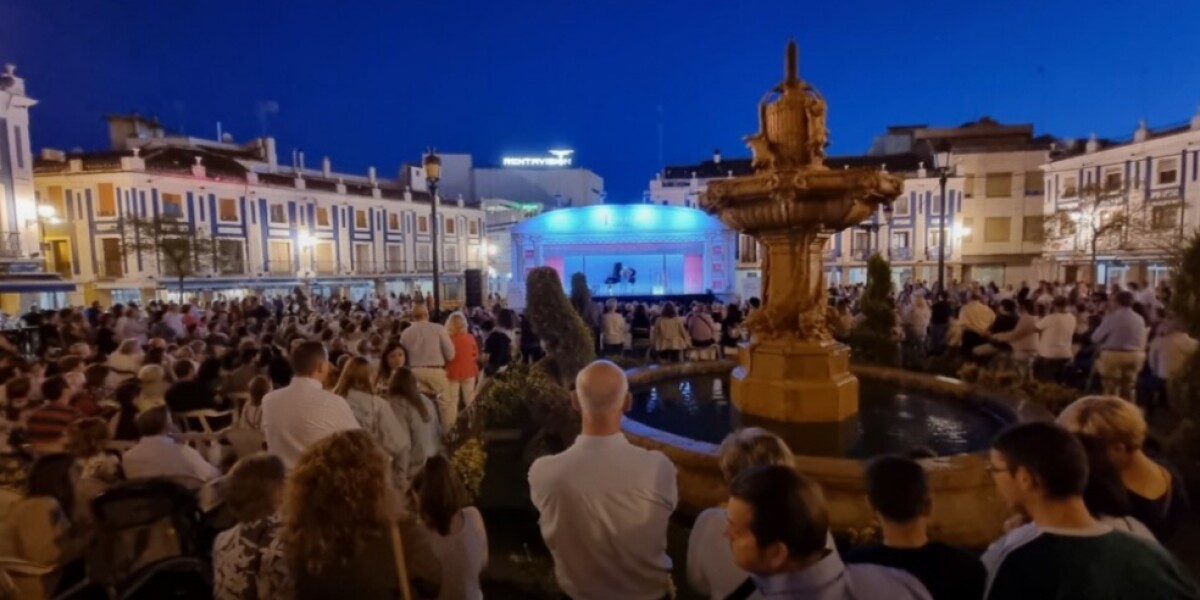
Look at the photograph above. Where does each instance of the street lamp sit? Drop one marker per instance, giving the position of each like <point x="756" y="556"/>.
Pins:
<point x="941" y="161"/>
<point x="433" y="173"/>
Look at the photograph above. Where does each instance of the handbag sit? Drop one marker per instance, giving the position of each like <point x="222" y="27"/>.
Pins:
<point x="401" y="568"/>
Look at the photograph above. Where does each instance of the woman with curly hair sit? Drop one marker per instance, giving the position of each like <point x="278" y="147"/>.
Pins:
<point x="358" y="545"/>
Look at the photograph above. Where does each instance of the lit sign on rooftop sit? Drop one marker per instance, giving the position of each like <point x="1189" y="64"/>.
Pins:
<point x="557" y="158"/>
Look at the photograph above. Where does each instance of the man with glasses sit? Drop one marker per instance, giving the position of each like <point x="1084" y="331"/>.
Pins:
<point x="1062" y="551"/>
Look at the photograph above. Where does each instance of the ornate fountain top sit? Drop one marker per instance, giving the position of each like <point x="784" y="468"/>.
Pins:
<point x="791" y="130"/>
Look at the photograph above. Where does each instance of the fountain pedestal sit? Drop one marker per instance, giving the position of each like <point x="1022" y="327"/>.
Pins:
<point x="795" y="381"/>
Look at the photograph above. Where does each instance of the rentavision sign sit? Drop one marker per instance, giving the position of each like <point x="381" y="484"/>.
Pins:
<point x="557" y="158"/>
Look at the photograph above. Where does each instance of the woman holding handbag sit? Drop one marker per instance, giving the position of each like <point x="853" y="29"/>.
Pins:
<point x="362" y="545"/>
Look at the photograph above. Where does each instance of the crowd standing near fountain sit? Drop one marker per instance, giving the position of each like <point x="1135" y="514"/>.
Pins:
<point x="313" y="447"/>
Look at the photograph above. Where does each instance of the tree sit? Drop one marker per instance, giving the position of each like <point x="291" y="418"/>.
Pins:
<point x="1102" y="219"/>
<point x="181" y="249"/>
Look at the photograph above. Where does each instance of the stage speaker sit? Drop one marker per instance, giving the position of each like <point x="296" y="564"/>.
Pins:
<point x="474" y="281"/>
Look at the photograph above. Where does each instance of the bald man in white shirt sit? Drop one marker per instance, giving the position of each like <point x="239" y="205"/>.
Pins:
<point x="604" y="502"/>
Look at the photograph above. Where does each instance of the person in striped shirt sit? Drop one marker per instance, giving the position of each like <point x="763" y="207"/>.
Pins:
<point x="47" y="425"/>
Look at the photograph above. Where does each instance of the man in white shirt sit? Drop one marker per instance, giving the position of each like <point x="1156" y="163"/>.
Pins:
<point x="301" y="414"/>
<point x="157" y="455"/>
<point x="612" y="329"/>
<point x="429" y="349"/>
<point x="1055" y="344"/>
<point x="604" y="502"/>
<point x="976" y="320"/>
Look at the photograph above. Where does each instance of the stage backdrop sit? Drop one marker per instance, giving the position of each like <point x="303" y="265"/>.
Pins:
<point x="661" y="250"/>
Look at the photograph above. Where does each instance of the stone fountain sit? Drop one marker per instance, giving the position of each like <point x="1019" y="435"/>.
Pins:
<point x="793" y="370"/>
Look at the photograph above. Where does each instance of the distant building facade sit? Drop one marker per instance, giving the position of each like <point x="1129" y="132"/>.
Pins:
<point x="276" y="227"/>
<point x="1136" y="200"/>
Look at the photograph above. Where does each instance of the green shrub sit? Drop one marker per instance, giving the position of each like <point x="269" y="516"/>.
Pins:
<point x="873" y="339"/>
<point x="1052" y="396"/>
<point x="565" y="337"/>
<point x="1184" y="392"/>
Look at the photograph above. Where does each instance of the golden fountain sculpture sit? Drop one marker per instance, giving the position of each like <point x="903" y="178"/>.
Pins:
<point x="792" y="369"/>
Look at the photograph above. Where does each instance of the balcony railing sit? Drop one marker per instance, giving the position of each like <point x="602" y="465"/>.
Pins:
<point x="901" y="253"/>
<point x="932" y="252"/>
<point x="280" y="267"/>
<point x="111" y="269"/>
<point x="424" y="266"/>
<point x="451" y="266"/>
<point x="861" y="253"/>
<point x="10" y="244"/>
<point x="396" y="266"/>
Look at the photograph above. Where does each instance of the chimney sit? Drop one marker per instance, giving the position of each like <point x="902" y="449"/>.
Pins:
<point x="326" y="167"/>
<point x="921" y="172"/>
<point x="269" y="151"/>
<point x="1141" y="133"/>
<point x="717" y="156"/>
<point x="371" y="175"/>
<point x="1092" y="145"/>
<point x="54" y="155"/>
<point x="301" y="160"/>
<point x="198" y="169"/>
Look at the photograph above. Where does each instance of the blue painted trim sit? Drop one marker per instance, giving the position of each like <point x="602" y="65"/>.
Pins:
<point x="1149" y="181"/>
<point x="264" y="233"/>
<point x="334" y="215"/>
<point x="191" y="207"/>
<point x="91" y="223"/>
<point x="245" y="217"/>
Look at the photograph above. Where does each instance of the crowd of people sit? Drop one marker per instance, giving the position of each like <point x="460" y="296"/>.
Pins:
<point x="334" y="417"/>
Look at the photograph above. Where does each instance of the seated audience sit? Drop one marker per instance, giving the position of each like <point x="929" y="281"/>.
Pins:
<point x="459" y="537"/>
<point x="605" y="503"/>
<point x="899" y="494"/>
<point x="87" y="441"/>
<point x="251" y="415"/>
<point x="248" y="559"/>
<point x="341" y="545"/>
<point x="154" y="386"/>
<point x="190" y="392"/>
<point x="122" y="426"/>
<point x="38" y="528"/>
<point x="778" y="526"/>
<point x="1040" y="470"/>
<point x="158" y="455"/>
<point x="1157" y="494"/>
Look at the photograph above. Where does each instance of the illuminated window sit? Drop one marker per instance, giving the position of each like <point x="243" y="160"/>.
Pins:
<point x="1034" y="183"/>
<point x="227" y="210"/>
<point x="996" y="229"/>
<point x="322" y="216"/>
<point x="172" y="206"/>
<point x="394" y="221"/>
<point x="1034" y="229"/>
<point x="107" y="205"/>
<point x="968" y="233"/>
<point x="422" y="224"/>
<point x="473" y="228"/>
<point x="279" y="213"/>
<point x="999" y="185"/>
<point x="449" y="226"/>
<point x="360" y="219"/>
<point x="55" y="199"/>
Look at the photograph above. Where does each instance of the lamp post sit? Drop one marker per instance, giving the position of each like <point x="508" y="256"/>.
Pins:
<point x="433" y="172"/>
<point x="941" y="161"/>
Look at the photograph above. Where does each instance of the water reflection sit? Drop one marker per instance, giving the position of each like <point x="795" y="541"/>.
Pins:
<point x="889" y="420"/>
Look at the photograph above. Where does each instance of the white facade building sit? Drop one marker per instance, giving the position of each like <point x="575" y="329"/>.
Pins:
<point x="1136" y="199"/>
<point x="275" y="227"/>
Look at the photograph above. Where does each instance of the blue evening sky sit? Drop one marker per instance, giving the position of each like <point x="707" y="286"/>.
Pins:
<point x="373" y="82"/>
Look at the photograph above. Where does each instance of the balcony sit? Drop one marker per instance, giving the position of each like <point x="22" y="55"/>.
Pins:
<point x="324" y="267"/>
<point x="368" y="267"/>
<point x="279" y="267"/>
<point x="900" y="253"/>
<point x="452" y="266"/>
<point x="424" y="266"/>
<point x="861" y="254"/>
<point x="10" y="244"/>
<point x="932" y="252"/>
<point x="111" y="269"/>
<point x="396" y="266"/>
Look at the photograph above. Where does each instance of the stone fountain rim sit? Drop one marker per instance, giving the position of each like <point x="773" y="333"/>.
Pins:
<point x="689" y="451"/>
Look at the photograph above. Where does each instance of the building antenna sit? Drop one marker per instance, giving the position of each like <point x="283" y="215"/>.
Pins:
<point x="660" y="137"/>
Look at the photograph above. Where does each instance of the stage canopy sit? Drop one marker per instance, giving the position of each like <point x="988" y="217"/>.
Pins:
<point x="629" y="250"/>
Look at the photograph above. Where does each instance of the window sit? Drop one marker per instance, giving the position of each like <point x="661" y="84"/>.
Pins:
<point x="112" y="261"/>
<point x="279" y="214"/>
<point x="450" y="258"/>
<point x="107" y="201"/>
<point x="322" y="216"/>
<point x="935" y="241"/>
<point x="935" y="202"/>
<point x="861" y="240"/>
<point x="1070" y="187"/>
<point x="1168" y="171"/>
<point x="900" y="207"/>
<point x="422" y="224"/>
<point x="360" y="219"/>
<point x="996" y="229"/>
<point x="1034" y="183"/>
<point x="999" y="185"/>
<point x="1164" y="217"/>
<point x="172" y="206"/>
<point x="393" y="221"/>
<point x="55" y="200"/>
<point x="395" y="258"/>
<point x="1109" y="217"/>
<point x="279" y="253"/>
<point x="227" y="210"/>
<point x="20" y="144"/>
<point x="231" y="258"/>
<point x="473" y="228"/>
<point x="969" y="186"/>
<point x="1112" y="179"/>
<point x="1033" y="229"/>
<point x="747" y="250"/>
<point x="1066" y="224"/>
<point x="363" y="262"/>
<point x="968" y="230"/>
<point x="900" y="240"/>
<point x="323" y="258"/>
<point x="449" y="226"/>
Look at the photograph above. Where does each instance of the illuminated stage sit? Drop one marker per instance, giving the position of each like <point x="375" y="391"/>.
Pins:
<point x="637" y="251"/>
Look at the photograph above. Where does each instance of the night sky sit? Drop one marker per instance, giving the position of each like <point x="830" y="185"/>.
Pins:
<point x="373" y="82"/>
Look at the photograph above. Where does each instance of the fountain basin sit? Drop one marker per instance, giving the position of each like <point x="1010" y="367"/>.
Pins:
<point x="966" y="509"/>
